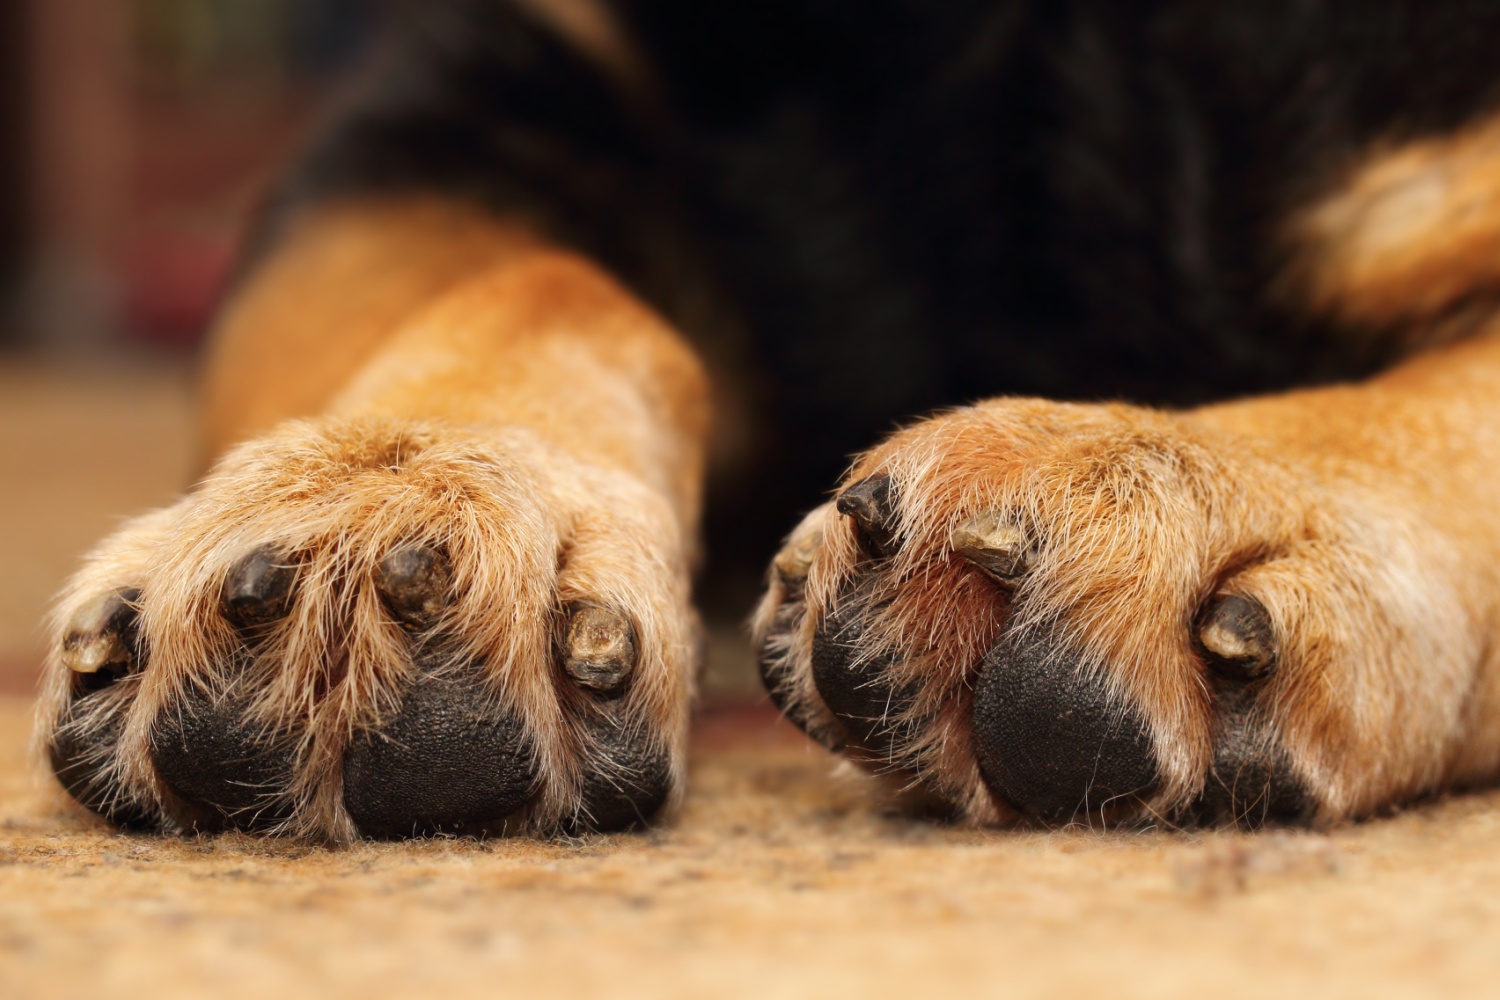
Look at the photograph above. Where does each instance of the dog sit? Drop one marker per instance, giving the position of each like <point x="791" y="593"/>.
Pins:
<point x="1206" y="535"/>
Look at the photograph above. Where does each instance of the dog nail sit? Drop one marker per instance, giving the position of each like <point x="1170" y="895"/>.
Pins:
<point x="101" y="637"/>
<point x="258" y="589"/>
<point x="869" y="503"/>
<point x="599" y="650"/>
<point x="415" y="582"/>
<point x="1236" y="632"/>
<point x="793" y="562"/>
<point x="996" y="548"/>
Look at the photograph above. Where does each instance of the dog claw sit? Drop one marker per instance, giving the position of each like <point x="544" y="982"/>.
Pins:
<point x="794" y="561"/>
<point x="258" y="589"/>
<point x="101" y="636"/>
<point x="870" y="504"/>
<point x="997" y="549"/>
<point x="599" y="649"/>
<point x="415" y="581"/>
<point x="1236" y="631"/>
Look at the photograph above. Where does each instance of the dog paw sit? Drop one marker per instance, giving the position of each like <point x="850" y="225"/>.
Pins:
<point x="363" y="629"/>
<point x="1063" y="613"/>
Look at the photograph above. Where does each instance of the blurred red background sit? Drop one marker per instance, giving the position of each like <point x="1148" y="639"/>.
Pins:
<point x="138" y="135"/>
<point x="136" y="138"/>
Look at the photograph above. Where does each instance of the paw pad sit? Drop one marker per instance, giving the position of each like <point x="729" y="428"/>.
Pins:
<point x="1050" y="737"/>
<point x="448" y="761"/>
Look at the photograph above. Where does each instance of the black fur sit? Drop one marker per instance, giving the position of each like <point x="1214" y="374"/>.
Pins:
<point x="901" y="204"/>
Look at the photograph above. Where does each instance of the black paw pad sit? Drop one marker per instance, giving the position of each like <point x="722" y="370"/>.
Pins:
<point x="224" y="765"/>
<point x="258" y="589"/>
<point x="448" y="761"/>
<point x="415" y="582"/>
<point x="853" y="684"/>
<point x="80" y="753"/>
<point x="628" y="780"/>
<point x="871" y="503"/>
<point x="1051" y="740"/>
<point x="1251" y="783"/>
<point x="776" y="675"/>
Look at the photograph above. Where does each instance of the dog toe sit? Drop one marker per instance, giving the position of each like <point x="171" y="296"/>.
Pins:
<point x="432" y="633"/>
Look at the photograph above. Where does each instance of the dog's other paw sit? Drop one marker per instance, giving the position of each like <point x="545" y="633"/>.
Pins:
<point x="359" y="628"/>
<point x="1103" y="614"/>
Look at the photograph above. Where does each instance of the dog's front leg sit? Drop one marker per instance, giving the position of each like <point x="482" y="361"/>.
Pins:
<point x="1284" y="608"/>
<point x="437" y="581"/>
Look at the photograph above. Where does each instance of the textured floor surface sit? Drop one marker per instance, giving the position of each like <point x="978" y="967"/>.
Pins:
<point x="775" y="881"/>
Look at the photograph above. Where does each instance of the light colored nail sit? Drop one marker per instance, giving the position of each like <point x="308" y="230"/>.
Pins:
<point x="996" y="547"/>
<point x="1237" y="631"/>
<point x="794" y="561"/>
<point x="97" y="635"/>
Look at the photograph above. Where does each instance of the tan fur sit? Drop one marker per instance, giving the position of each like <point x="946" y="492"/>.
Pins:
<point x="1411" y="232"/>
<point x="593" y="30"/>
<point x="426" y="374"/>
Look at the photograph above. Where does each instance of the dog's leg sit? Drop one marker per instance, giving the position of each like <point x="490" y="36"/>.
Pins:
<point x="1279" y="609"/>
<point x="439" y="580"/>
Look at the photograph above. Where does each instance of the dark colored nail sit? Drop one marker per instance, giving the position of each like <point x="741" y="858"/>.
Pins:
<point x="1237" y="634"/>
<point x="599" y="650"/>
<point x="258" y="589"/>
<point x="870" y="504"/>
<point x="415" y="581"/>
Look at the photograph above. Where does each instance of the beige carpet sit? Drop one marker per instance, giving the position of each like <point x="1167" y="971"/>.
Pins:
<point x="776" y="880"/>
